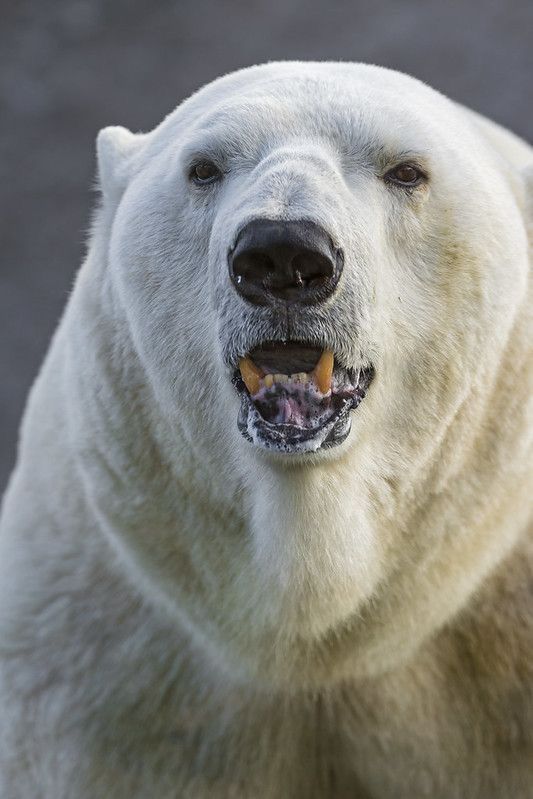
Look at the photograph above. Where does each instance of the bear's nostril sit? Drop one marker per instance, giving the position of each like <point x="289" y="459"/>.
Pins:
<point x="312" y="268"/>
<point x="289" y="261"/>
<point x="254" y="265"/>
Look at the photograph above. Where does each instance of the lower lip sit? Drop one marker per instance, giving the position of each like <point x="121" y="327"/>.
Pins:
<point x="292" y="440"/>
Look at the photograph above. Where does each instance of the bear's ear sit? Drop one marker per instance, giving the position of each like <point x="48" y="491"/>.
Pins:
<point x="115" y="147"/>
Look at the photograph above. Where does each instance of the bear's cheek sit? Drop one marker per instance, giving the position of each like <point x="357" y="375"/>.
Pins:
<point x="158" y="261"/>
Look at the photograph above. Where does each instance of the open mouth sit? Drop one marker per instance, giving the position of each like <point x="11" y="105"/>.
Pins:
<point x="296" y="398"/>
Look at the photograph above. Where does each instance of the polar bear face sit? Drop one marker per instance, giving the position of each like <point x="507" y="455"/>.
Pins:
<point x="321" y="213"/>
<point x="319" y="266"/>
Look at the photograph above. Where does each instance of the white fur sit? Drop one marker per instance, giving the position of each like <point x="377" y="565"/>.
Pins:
<point x="183" y="615"/>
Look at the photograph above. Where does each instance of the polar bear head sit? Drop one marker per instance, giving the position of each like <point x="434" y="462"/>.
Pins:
<point x="320" y="266"/>
<point x="305" y="235"/>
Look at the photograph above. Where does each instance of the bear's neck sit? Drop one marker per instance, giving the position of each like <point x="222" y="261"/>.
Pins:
<point x="312" y="539"/>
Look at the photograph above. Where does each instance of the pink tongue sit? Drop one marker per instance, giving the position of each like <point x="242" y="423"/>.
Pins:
<point x="289" y="412"/>
<point x="299" y="405"/>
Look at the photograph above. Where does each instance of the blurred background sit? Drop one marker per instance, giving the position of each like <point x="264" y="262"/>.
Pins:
<point x="70" y="67"/>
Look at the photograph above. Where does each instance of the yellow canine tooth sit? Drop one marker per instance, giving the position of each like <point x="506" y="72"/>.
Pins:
<point x="251" y="374"/>
<point x="323" y="371"/>
<point x="268" y="380"/>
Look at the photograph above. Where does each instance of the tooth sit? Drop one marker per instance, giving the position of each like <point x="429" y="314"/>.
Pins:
<point x="281" y="378"/>
<point x="251" y="374"/>
<point x="300" y="377"/>
<point x="268" y="380"/>
<point x="323" y="371"/>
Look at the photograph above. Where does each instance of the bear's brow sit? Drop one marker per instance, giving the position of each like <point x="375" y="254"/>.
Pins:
<point x="222" y="136"/>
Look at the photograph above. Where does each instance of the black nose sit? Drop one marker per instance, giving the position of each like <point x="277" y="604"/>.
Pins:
<point x="291" y="261"/>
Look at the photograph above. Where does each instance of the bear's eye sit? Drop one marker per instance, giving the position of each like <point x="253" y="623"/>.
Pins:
<point x="203" y="172"/>
<point x="405" y="175"/>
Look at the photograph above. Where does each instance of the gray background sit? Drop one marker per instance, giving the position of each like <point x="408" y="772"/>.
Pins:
<point x="69" y="67"/>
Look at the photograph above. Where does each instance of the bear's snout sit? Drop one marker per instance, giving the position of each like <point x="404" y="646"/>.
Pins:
<point x="291" y="261"/>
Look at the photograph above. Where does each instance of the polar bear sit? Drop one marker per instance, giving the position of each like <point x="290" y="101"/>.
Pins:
<point x="268" y="532"/>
